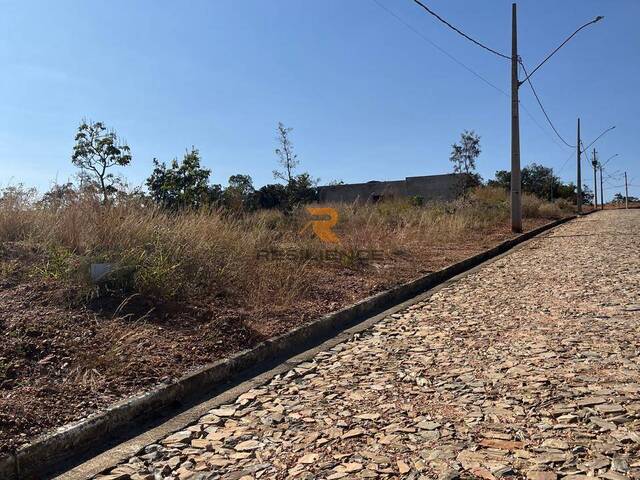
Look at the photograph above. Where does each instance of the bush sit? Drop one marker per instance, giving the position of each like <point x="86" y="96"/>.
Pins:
<point x="550" y="210"/>
<point x="272" y="196"/>
<point x="531" y="205"/>
<point x="490" y="195"/>
<point x="564" y="205"/>
<point x="416" y="201"/>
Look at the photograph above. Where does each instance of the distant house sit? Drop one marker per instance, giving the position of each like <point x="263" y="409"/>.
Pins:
<point x="430" y="187"/>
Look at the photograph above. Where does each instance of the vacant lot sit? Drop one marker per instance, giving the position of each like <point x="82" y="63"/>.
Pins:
<point x="193" y="287"/>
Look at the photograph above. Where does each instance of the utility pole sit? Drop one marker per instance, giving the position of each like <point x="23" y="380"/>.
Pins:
<point x="626" y="191"/>
<point x="601" y="191"/>
<point x="516" y="198"/>
<point x="579" y="198"/>
<point x="594" y="162"/>
<point x="516" y="176"/>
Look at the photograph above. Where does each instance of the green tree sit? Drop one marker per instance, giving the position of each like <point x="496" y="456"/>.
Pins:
<point x="502" y="180"/>
<point x="587" y="195"/>
<point x="272" y="196"/>
<point x="540" y="181"/>
<point x="240" y="193"/>
<point x="303" y="189"/>
<point x="566" y="191"/>
<point x="182" y="185"/>
<point x="463" y="156"/>
<point x="619" y="199"/>
<point x="96" y="151"/>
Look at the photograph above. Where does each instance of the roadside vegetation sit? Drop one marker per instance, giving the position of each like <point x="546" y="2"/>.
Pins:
<point x="185" y="238"/>
<point x="198" y="271"/>
<point x="196" y="254"/>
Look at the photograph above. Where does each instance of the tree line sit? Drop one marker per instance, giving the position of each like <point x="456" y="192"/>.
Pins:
<point x="186" y="184"/>
<point x="183" y="184"/>
<point x="536" y="179"/>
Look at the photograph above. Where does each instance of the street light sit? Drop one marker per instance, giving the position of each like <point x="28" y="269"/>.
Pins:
<point x="601" y="166"/>
<point x="516" y="181"/>
<point x="609" y="159"/>
<point x="598" y="138"/>
<point x="597" y="19"/>
<point x="580" y="150"/>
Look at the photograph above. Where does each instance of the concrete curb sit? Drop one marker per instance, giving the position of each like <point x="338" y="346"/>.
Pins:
<point x="72" y="441"/>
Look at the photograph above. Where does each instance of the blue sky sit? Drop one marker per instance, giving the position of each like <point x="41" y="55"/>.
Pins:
<point x="367" y="97"/>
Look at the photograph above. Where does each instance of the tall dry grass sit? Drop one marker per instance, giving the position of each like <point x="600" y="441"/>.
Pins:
<point x="210" y="253"/>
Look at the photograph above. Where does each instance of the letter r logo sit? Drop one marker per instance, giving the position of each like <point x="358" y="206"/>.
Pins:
<point x="322" y="228"/>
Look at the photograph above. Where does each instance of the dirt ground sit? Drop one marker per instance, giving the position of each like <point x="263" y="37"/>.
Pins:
<point x="61" y="360"/>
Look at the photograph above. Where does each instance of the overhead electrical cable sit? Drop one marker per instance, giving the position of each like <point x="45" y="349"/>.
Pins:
<point x="463" y="65"/>
<point x="542" y="107"/>
<point x="460" y="32"/>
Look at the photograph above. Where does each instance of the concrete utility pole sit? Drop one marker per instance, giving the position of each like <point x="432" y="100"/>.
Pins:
<point x="601" y="191"/>
<point x="594" y="162"/>
<point x="516" y="196"/>
<point x="626" y="191"/>
<point x="516" y="186"/>
<point x="579" y="198"/>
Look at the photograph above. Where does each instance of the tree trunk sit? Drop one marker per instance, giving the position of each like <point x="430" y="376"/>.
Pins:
<point x="105" y="197"/>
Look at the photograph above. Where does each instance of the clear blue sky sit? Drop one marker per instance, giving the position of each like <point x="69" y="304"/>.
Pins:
<point x="367" y="97"/>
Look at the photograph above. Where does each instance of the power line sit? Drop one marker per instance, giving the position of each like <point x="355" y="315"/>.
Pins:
<point x="597" y="19"/>
<point x="598" y="137"/>
<point x="542" y="107"/>
<point x="586" y="155"/>
<point x="527" y="78"/>
<point x="565" y="162"/>
<point x="526" y="110"/>
<point x="586" y="151"/>
<point x="439" y="48"/>
<point x="460" y="32"/>
<point x="463" y="65"/>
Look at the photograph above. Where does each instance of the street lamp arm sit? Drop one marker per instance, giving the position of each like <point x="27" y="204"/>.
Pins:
<point x="597" y="19"/>
<point x="597" y="138"/>
<point x="609" y="159"/>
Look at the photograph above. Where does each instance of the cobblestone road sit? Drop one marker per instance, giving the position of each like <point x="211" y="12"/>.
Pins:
<point x="527" y="368"/>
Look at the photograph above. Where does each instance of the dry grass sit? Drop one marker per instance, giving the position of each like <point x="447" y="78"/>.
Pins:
<point x="212" y="253"/>
<point x="191" y="288"/>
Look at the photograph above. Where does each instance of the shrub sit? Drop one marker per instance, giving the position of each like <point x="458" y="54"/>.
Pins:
<point x="531" y="205"/>
<point x="550" y="210"/>
<point x="17" y="209"/>
<point x="564" y="205"/>
<point x="416" y="201"/>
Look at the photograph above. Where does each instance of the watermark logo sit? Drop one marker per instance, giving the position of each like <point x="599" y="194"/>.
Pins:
<point x="323" y="228"/>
